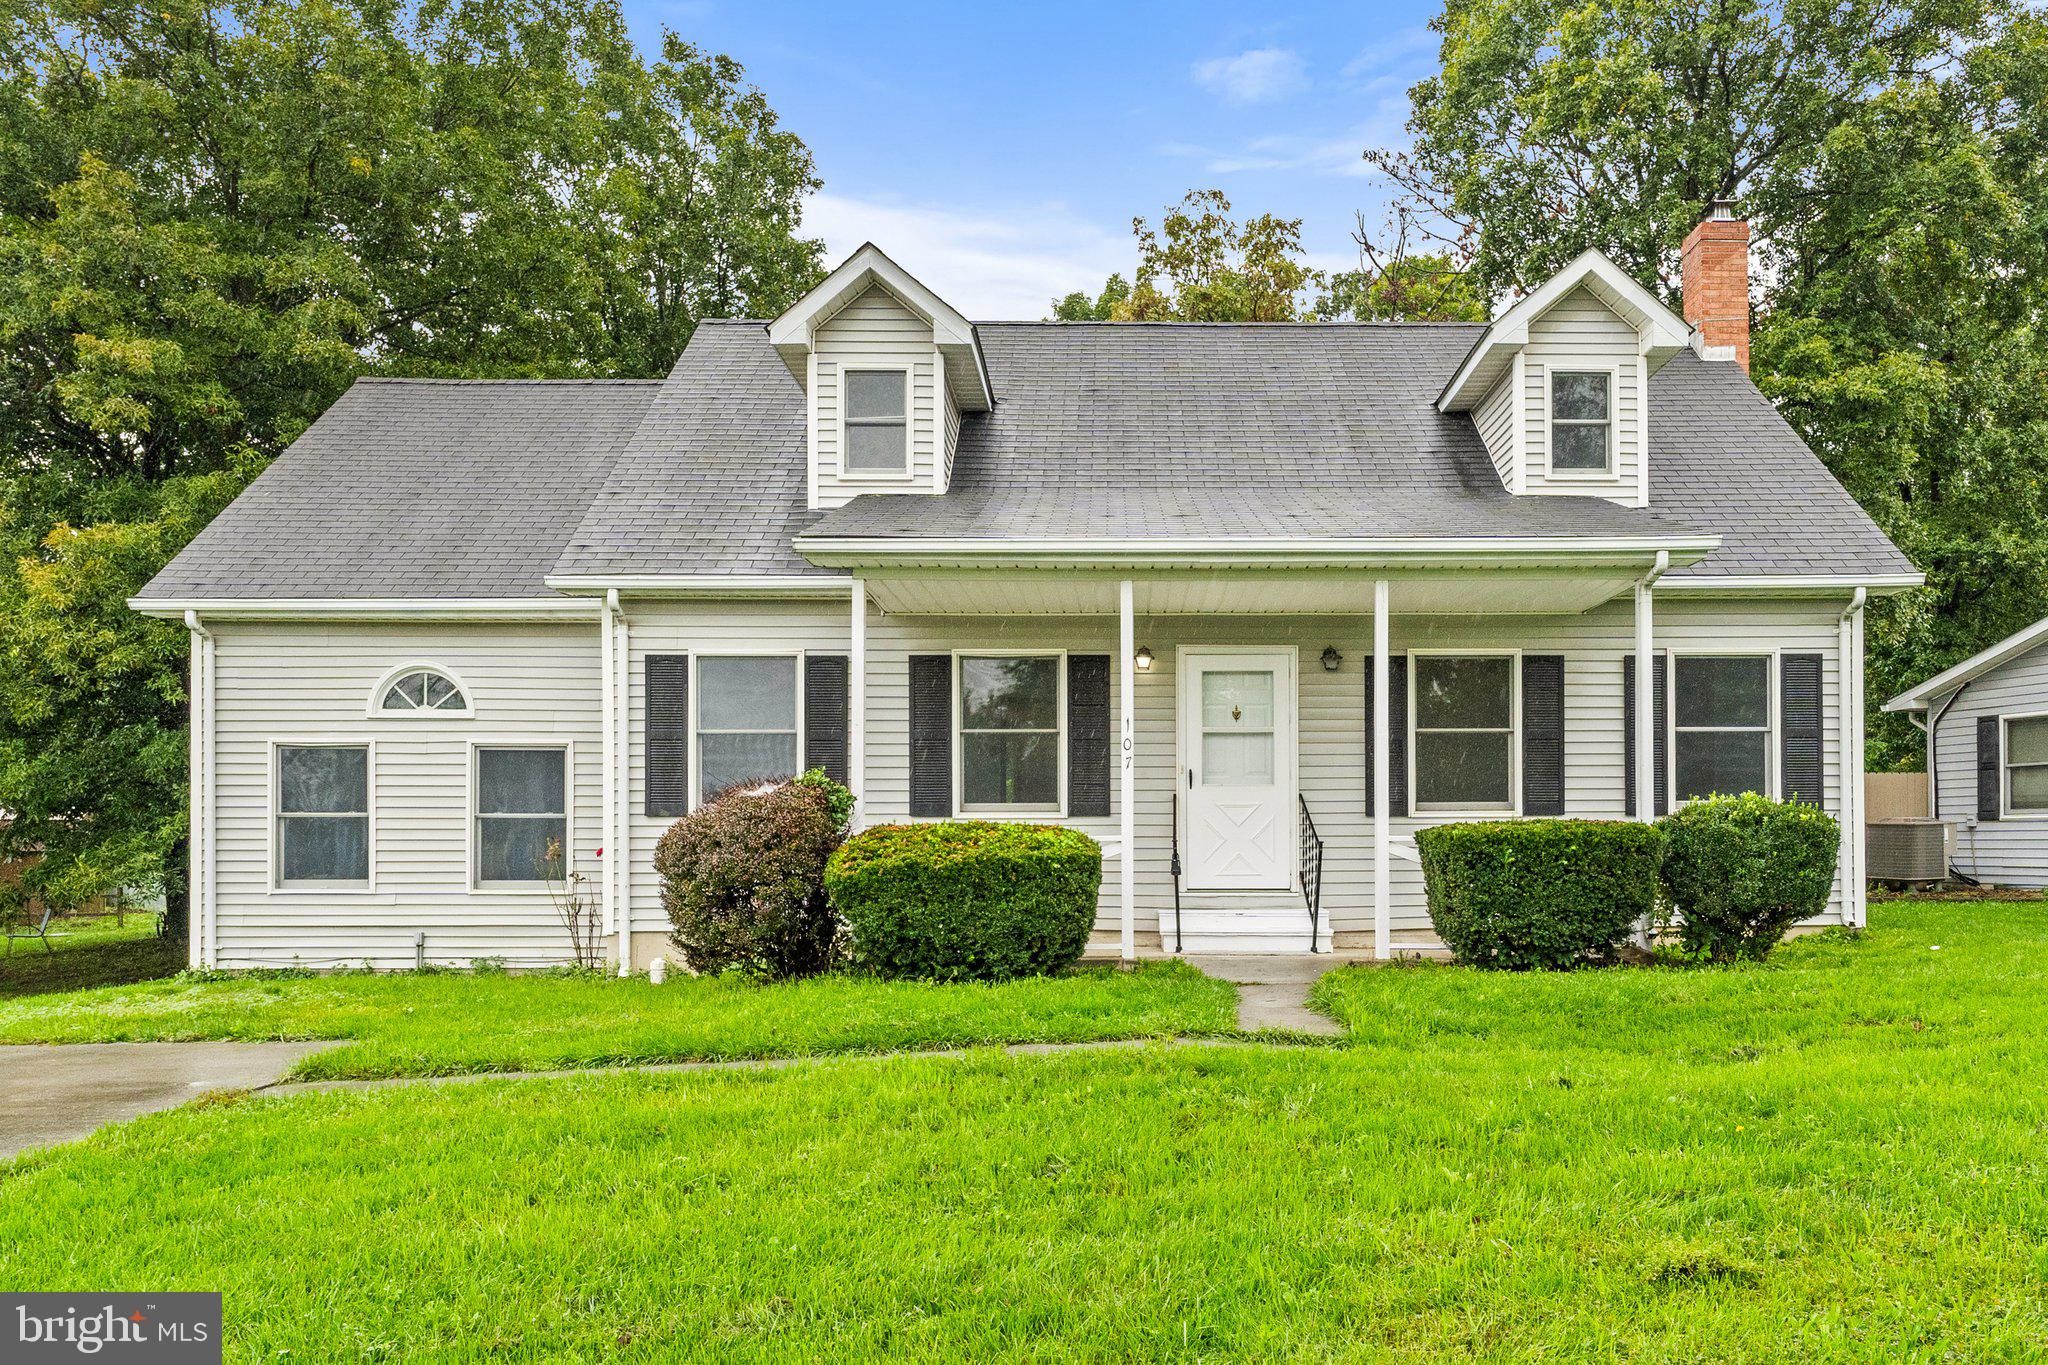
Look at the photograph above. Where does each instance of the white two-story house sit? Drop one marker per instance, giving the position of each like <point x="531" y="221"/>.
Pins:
<point x="1249" y="603"/>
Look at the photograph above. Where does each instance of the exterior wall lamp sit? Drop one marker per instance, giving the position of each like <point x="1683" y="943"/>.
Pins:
<point x="1332" y="660"/>
<point x="1143" y="658"/>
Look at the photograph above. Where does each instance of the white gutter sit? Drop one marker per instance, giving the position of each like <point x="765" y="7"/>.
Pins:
<point x="1850" y="708"/>
<point x="199" y="896"/>
<point x="1796" y="585"/>
<point x="1424" y="549"/>
<point x="618" y="775"/>
<point x="369" y="608"/>
<point x="704" y="585"/>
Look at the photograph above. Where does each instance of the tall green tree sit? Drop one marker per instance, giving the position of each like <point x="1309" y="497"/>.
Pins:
<point x="1889" y="155"/>
<point x="213" y="216"/>
<point x="1202" y="265"/>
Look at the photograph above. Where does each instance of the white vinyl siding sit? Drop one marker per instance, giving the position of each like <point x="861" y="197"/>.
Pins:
<point x="1495" y="417"/>
<point x="2011" y="851"/>
<point x="282" y="684"/>
<point x="875" y="332"/>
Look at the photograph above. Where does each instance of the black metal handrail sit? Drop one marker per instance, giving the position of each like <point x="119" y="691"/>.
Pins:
<point x="1311" y="875"/>
<point x="1174" y="867"/>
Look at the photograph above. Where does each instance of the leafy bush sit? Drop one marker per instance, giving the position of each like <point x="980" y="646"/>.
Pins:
<point x="1743" y="869"/>
<point x="743" y="878"/>
<point x="966" y="900"/>
<point x="1539" y="893"/>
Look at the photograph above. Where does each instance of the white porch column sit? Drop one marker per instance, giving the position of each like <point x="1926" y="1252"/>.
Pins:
<point x="857" y="703"/>
<point x="1382" y="795"/>
<point x="1127" y="795"/>
<point x="608" y="867"/>
<point x="199" y="929"/>
<point x="1646" y="706"/>
<point x="619" y="777"/>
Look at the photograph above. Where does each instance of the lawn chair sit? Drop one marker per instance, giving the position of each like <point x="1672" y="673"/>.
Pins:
<point x="35" y="924"/>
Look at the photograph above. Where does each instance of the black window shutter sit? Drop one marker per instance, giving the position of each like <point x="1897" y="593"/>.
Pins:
<point x="668" y="735"/>
<point x="1397" y="731"/>
<point x="825" y="704"/>
<point x="1369" y="736"/>
<point x="1987" y="768"/>
<point x="1660" y="701"/>
<point x="1088" y="746"/>
<point x="1799" y="738"/>
<point x="1543" y="734"/>
<point x="931" y="734"/>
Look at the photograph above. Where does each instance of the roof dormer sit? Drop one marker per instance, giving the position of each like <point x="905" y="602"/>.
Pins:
<point x="1559" y="383"/>
<point x="887" y="368"/>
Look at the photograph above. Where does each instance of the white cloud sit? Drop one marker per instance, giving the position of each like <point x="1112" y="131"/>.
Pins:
<point x="993" y="264"/>
<point x="1376" y="58"/>
<point x="1259" y="76"/>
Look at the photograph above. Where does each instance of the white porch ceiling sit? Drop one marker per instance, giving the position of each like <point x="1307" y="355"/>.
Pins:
<point x="1243" y="593"/>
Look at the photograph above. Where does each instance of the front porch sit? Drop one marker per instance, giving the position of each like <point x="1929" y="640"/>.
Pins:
<point x="1266" y="726"/>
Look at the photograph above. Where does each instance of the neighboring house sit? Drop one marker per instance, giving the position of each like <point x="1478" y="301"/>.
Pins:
<point x="1986" y="721"/>
<point x="1366" y="578"/>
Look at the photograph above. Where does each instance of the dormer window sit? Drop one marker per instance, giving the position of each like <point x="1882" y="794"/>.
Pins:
<point x="877" y="422"/>
<point x="1582" y="421"/>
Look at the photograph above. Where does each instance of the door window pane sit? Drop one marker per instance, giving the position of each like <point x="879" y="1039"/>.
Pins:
<point x="1232" y="700"/>
<point x="522" y="824"/>
<point x="323" y="813"/>
<point x="1010" y="732"/>
<point x="1464" y="732"/>
<point x="746" y="721"/>
<point x="1244" y="760"/>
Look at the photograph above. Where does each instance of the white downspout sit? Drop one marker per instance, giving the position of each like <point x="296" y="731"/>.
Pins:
<point x="1127" y="812"/>
<point x="199" y="896"/>
<point x="1382" y="797"/>
<point x="857" y="704"/>
<point x="608" y="667"/>
<point x="1850" y="700"/>
<point x="619" y="794"/>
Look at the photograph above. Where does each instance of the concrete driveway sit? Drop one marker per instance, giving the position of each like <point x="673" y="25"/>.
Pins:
<point x="57" y="1092"/>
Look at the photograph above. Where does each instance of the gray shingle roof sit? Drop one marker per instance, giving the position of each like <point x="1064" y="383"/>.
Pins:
<point x="417" y="488"/>
<point x="1148" y="430"/>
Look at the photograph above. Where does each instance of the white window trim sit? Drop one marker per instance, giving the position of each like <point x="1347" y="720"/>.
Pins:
<point x="1026" y="814"/>
<point x="375" y="708"/>
<point x="1550" y="470"/>
<point x="274" y="853"/>
<point x="1771" y="729"/>
<point x="697" y="701"/>
<point x="1513" y="808"/>
<point x="2005" y="766"/>
<point x="848" y="474"/>
<point x="472" y="852"/>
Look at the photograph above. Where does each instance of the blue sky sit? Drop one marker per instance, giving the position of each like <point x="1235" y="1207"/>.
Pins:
<point x="1000" y="151"/>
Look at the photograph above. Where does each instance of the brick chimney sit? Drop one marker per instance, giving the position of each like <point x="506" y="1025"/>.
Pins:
<point x="1714" y="279"/>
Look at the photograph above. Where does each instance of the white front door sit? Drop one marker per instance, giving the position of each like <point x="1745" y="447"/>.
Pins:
<point x="1237" y="783"/>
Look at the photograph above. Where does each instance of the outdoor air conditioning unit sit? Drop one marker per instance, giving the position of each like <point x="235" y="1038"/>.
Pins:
<point x="1906" y="850"/>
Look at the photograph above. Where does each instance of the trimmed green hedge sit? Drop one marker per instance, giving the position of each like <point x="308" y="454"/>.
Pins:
<point x="965" y="900"/>
<point x="1539" y="893"/>
<point x="1743" y="869"/>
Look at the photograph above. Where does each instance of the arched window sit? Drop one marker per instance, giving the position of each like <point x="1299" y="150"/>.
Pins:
<point x="422" y="690"/>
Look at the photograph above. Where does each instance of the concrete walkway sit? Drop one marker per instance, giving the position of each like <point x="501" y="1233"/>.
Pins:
<point x="52" y="1093"/>
<point x="1272" y="991"/>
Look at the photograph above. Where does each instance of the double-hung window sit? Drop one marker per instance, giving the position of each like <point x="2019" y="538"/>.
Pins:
<point x="1010" y="723"/>
<point x="2026" y="765"/>
<point x="522" y="814"/>
<point x="876" y="425"/>
<point x="746" y="721"/>
<point x="1582" y="421"/>
<point x="1464" y="710"/>
<point x="1720" y="725"/>
<point x="323" y="814"/>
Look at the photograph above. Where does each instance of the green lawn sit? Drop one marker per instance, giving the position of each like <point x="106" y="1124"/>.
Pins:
<point x="1842" y="1155"/>
<point x="92" y="951"/>
<point x="445" y="1022"/>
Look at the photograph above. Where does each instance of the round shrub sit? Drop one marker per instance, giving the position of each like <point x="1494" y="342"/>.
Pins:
<point x="1741" y="870"/>
<point x="965" y="900"/>
<point x="743" y="878"/>
<point x="1539" y="893"/>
